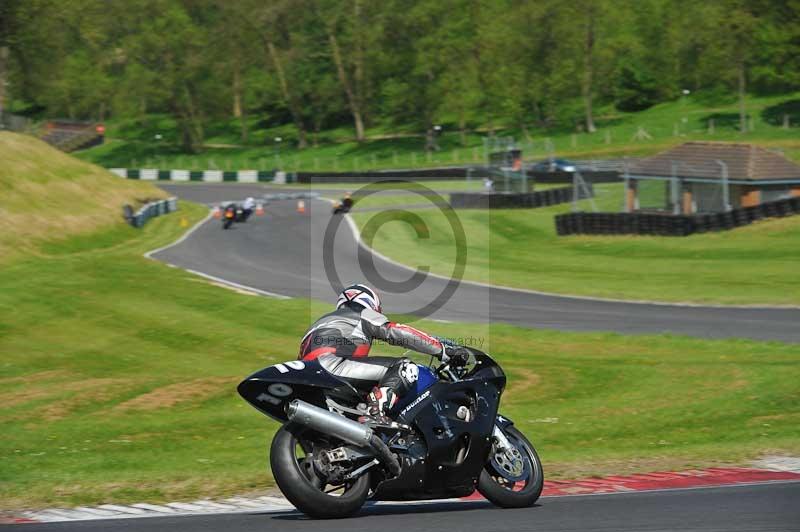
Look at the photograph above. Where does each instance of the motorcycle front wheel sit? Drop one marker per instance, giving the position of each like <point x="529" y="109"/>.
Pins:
<point x="512" y="478"/>
<point x="290" y="459"/>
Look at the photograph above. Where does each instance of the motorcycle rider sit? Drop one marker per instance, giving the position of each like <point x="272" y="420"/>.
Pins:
<point x="341" y="340"/>
<point x="247" y="206"/>
<point x="347" y="202"/>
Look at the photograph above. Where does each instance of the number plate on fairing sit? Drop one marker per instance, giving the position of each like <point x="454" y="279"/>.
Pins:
<point x="272" y="388"/>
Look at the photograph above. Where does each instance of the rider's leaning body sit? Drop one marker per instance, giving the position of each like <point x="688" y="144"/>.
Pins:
<point x="341" y="341"/>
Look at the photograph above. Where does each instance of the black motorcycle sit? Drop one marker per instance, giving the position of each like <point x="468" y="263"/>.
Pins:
<point x="234" y="213"/>
<point x="343" y="206"/>
<point x="447" y="439"/>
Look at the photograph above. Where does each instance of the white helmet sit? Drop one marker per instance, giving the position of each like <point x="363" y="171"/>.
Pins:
<point x="361" y="294"/>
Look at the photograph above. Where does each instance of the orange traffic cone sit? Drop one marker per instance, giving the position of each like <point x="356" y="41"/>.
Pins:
<point x="217" y="213"/>
<point x="301" y="206"/>
<point x="259" y="209"/>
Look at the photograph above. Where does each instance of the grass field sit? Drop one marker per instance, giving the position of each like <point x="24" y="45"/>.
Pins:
<point x="118" y="381"/>
<point x="756" y="264"/>
<point x="132" y="145"/>
<point x="119" y="374"/>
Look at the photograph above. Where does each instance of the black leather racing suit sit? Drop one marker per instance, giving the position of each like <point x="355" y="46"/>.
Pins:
<point x="341" y="341"/>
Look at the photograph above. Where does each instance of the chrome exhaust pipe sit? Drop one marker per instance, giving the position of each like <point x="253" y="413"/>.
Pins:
<point x="345" y="429"/>
<point x="327" y="422"/>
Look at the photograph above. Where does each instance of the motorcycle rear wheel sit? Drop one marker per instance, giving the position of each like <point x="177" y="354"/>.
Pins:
<point x="298" y="482"/>
<point x="500" y="490"/>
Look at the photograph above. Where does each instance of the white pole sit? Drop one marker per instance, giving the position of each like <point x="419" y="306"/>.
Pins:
<point x="726" y="194"/>
<point x="674" y="189"/>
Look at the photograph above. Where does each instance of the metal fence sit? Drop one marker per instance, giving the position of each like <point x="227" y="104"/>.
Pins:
<point x="148" y="211"/>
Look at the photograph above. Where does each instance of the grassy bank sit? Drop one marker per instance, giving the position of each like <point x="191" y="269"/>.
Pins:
<point x="119" y="374"/>
<point x="132" y="143"/>
<point x="46" y="195"/>
<point x="756" y="264"/>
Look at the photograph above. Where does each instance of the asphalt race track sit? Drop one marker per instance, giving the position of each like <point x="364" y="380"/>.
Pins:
<point x="754" y="508"/>
<point x="282" y="253"/>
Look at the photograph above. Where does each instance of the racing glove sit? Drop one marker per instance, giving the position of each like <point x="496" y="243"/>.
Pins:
<point x="455" y="355"/>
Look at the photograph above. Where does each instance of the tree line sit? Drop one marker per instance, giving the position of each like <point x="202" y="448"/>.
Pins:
<point x="319" y="64"/>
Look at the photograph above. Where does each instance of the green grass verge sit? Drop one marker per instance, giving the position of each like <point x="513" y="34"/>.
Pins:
<point x="46" y="194"/>
<point x="132" y="145"/>
<point x="756" y="264"/>
<point x="118" y="382"/>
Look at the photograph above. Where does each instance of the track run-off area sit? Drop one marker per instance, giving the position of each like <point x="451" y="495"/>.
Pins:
<point x="281" y="253"/>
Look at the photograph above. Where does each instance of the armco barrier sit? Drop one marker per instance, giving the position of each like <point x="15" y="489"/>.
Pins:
<point x="638" y="223"/>
<point x="208" y="176"/>
<point x="261" y="176"/>
<point x="370" y="176"/>
<point x="530" y="200"/>
<point x="150" y="210"/>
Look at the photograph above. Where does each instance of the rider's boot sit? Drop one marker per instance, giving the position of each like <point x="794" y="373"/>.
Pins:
<point x="379" y="401"/>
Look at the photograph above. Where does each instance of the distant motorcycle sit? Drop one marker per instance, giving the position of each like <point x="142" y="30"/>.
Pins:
<point x="343" y="206"/>
<point x="447" y="439"/>
<point x="229" y="216"/>
<point x="234" y="213"/>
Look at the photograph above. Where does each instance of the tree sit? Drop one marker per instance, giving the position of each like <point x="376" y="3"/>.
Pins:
<point x="165" y="40"/>
<point x="311" y="66"/>
<point x="410" y="95"/>
<point x="776" y="55"/>
<point x="7" y="31"/>
<point x="321" y="63"/>
<point x="725" y="38"/>
<point x="351" y="28"/>
<point x="235" y="51"/>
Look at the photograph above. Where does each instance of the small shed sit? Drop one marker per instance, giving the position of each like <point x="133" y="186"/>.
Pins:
<point x="698" y="177"/>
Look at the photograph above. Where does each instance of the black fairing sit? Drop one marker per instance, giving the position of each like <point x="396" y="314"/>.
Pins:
<point x="456" y="449"/>
<point x="271" y="389"/>
<point x="453" y="452"/>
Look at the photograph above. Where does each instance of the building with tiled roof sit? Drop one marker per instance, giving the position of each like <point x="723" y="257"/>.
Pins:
<point x="710" y="177"/>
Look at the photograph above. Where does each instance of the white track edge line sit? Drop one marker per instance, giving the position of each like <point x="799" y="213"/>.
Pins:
<point x="187" y="234"/>
<point x="357" y="234"/>
<point x="234" y="285"/>
<point x="228" y="284"/>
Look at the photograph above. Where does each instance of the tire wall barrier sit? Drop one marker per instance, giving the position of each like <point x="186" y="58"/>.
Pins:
<point x="428" y="174"/>
<point x="531" y="200"/>
<point x="566" y="177"/>
<point x="602" y="223"/>
<point x="148" y="211"/>
<point x="446" y="174"/>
